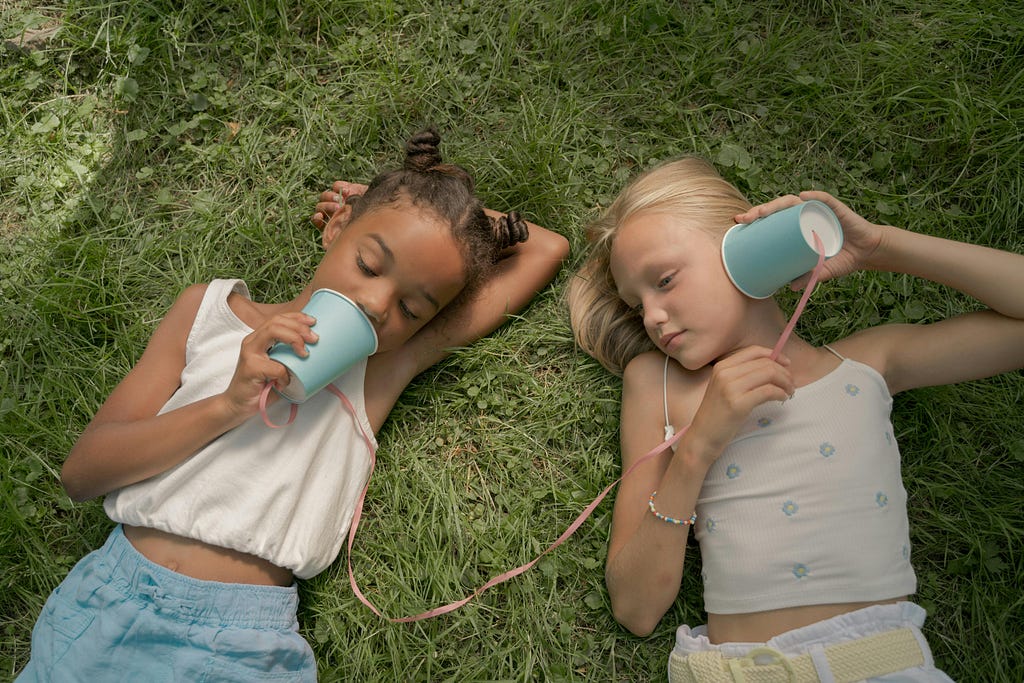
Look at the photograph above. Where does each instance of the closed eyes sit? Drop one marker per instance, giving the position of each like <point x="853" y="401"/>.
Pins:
<point x="370" y="272"/>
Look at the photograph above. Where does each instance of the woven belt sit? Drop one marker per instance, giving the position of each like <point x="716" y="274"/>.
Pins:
<point x="851" y="661"/>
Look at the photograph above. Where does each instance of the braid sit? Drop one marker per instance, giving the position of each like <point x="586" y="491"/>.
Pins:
<point x="421" y="152"/>
<point x="509" y="229"/>
<point x="423" y="156"/>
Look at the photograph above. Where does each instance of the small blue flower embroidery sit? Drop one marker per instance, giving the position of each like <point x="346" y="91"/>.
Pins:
<point x="790" y="508"/>
<point x="827" y="449"/>
<point x="732" y="471"/>
<point x="906" y="552"/>
<point x="710" y="525"/>
<point x="764" y="422"/>
<point x="801" y="571"/>
<point x="852" y="389"/>
<point x="881" y="499"/>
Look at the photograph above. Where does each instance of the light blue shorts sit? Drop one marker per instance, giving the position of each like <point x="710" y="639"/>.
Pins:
<point x="119" y="617"/>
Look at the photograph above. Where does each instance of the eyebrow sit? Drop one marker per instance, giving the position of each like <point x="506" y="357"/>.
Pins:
<point x="390" y="255"/>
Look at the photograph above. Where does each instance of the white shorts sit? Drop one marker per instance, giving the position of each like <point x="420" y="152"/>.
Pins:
<point x="813" y="639"/>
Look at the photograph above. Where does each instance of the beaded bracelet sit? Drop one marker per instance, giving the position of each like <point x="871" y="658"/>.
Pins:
<point x="666" y="518"/>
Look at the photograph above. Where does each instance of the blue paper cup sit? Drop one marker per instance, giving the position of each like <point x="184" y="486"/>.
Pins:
<point x="346" y="336"/>
<point x="762" y="256"/>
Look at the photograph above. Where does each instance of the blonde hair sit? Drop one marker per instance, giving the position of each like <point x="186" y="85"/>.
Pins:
<point x="689" y="188"/>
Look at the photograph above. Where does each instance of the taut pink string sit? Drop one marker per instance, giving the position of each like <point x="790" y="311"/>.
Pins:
<point x="500" y="578"/>
<point x="815" y="274"/>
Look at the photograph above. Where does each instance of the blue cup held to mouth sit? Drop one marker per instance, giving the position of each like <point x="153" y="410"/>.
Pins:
<point x="761" y="256"/>
<point x="346" y="336"/>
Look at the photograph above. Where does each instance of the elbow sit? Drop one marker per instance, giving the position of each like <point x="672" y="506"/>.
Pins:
<point x="545" y="244"/>
<point x="75" y="493"/>
<point x="632" y="613"/>
<point x="633" y="620"/>
<point x="559" y="247"/>
<point x="74" y="486"/>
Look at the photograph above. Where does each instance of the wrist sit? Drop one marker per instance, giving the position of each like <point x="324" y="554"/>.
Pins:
<point x="694" y="457"/>
<point x="882" y="257"/>
<point x="225" y="413"/>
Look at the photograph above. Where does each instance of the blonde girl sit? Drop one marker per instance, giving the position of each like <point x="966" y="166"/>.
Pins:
<point x="216" y="514"/>
<point x="789" y="472"/>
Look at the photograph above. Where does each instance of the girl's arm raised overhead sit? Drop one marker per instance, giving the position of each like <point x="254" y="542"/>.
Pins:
<point x="524" y="269"/>
<point x="969" y="346"/>
<point x="126" y="441"/>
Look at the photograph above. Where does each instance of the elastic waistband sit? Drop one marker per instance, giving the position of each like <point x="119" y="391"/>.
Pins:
<point x="859" y="623"/>
<point x="854" y="660"/>
<point x="236" y="604"/>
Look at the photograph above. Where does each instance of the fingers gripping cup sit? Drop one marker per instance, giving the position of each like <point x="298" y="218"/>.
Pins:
<point x="346" y="336"/>
<point x="763" y="255"/>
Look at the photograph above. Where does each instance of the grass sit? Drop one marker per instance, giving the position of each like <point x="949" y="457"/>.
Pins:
<point x="149" y="145"/>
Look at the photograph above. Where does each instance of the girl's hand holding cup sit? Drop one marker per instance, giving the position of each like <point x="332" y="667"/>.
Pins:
<point x="860" y="237"/>
<point x="255" y="367"/>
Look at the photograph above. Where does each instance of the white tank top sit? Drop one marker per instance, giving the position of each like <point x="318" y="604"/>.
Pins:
<point x="806" y="505"/>
<point x="286" y="495"/>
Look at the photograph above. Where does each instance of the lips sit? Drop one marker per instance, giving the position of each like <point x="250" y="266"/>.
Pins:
<point x="667" y="339"/>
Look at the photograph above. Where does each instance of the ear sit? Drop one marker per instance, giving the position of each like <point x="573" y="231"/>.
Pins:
<point x="335" y="226"/>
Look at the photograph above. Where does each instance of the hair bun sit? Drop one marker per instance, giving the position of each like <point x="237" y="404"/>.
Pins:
<point x="421" y="152"/>
<point x="510" y="229"/>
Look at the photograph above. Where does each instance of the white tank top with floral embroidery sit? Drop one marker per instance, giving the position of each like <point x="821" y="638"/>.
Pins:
<point x="806" y="506"/>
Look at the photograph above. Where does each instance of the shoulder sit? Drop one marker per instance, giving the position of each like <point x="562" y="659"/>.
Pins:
<point x="645" y="368"/>
<point x="192" y="296"/>
<point x="648" y="380"/>
<point x="654" y="368"/>
<point x="178" y="320"/>
<point x="185" y="308"/>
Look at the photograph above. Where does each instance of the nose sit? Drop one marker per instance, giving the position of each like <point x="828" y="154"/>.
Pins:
<point x="654" y="315"/>
<point x="374" y="302"/>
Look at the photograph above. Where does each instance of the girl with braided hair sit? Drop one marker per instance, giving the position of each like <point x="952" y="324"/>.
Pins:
<point x="216" y="514"/>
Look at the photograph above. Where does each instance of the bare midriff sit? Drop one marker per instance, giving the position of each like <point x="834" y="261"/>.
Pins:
<point x="758" y="627"/>
<point x="204" y="561"/>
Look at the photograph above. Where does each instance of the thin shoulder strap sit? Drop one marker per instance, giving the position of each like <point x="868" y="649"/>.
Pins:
<point x="669" y="429"/>
<point x="835" y="353"/>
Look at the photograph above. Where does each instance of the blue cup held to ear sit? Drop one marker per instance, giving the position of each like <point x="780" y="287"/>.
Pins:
<point x="346" y="336"/>
<point x="761" y="256"/>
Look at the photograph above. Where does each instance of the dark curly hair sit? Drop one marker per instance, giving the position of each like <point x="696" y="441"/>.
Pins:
<point x="447" y="190"/>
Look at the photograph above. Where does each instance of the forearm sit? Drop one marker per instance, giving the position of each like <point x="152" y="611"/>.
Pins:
<point x="993" y="277"/>
<point x="644" y="572"/>
<point x="113" y="454"/>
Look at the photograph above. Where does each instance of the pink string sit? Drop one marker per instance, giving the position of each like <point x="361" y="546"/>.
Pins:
<point x="264" y="394"/>
<point x="815" y="274"/>
<point x="500" y="578"/>
<point x="571" y="529"/>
